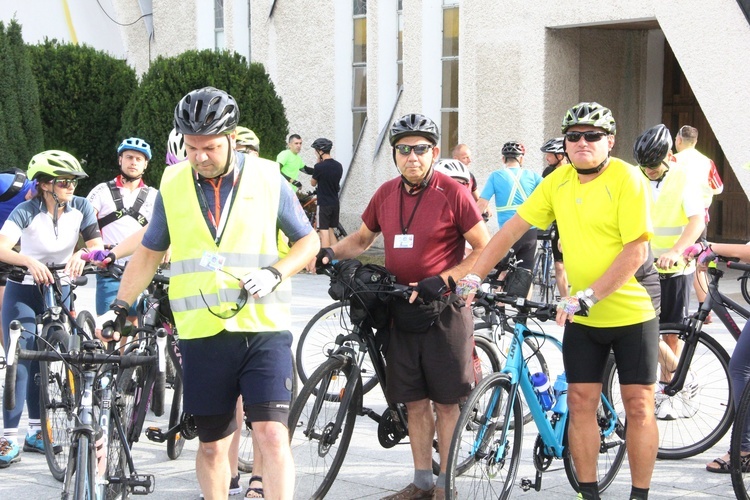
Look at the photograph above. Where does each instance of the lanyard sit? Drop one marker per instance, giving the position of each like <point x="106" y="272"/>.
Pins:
<point x="405" y="228"/>
<point x="203" y="202"/>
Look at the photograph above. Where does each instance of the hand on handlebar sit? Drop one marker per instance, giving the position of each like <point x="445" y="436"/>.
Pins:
<point x="467" y="287"/>
<point x="38" y="271"/>
<point x="703" y="254"/>
<point x="325" y="256"/>
<point x="428" y="289"/>
<point x="100" y="258"/>
<point x="109" y="326"/>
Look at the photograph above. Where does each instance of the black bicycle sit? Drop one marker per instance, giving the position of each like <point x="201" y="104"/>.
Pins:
<point x="544" y="269"/>
<point x="309" y="202"/>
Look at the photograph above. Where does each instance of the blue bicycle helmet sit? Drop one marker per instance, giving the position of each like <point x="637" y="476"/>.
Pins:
<point x="135" y="144"/>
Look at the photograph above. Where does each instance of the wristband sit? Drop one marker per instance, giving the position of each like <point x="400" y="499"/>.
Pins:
<point x="467" y="285"/>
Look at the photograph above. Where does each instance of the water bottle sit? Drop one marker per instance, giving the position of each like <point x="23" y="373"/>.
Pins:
<point x="561" y="394"/>
<point x="543" y="390"/>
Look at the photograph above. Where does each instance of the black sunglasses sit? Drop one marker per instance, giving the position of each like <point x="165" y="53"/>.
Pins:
<point x="589" y="136"/>
<point x="419" y="149"/>
<point x="653" y="167"/>
<point x="241" y="301"/>
<point x="66" y="183"/>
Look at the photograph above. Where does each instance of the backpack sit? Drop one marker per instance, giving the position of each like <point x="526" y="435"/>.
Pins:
<point x="16" y="186"/>
<point x="121" y="211"/>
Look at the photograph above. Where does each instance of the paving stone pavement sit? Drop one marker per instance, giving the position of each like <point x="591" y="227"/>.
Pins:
<point x="369" y="471"/>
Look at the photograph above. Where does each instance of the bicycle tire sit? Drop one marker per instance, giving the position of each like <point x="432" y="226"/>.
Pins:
<point x="86" y="322"/>
<point x="318" y="339"/>
<point x="709" y="409"/>
<point x="117" y="460"/>
<point x="543" y="281"/>
<point x="58" y="392"/>
<point x="472" y="465"/>
<point x="611" y="451"/>
<point x="317" y="462"/>
<point x="175" y="443"/>
<point x="744" y="286"/>
<point x="532" y="354"/>
<point x="740" y="477"/>
<point x="131" y="391"/>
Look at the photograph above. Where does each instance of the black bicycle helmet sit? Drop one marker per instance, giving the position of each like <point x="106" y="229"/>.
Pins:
<point x="414" y="124"/>
<point x="513" y="149"/>
<point x="322" y="144"/>
<point x="206" y="111"/>
<point x="589" y="113"/>
<point x="652" y="146"/>
<point x="554" y="146"/>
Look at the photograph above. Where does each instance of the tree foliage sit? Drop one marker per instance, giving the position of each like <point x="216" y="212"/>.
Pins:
<point x="20" y="123"/>
<point x="149" y="114"/>
<point x="83" y="92"/>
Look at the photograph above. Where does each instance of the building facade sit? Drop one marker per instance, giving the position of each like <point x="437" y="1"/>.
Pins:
<point x="487" y="72"/>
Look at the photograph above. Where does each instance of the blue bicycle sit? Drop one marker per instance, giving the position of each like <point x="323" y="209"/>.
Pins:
<point x="486" y="445"/>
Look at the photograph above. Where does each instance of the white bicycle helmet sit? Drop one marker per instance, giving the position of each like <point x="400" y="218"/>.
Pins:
<point x="454" y="168"/>
<point x="175" y="148"/>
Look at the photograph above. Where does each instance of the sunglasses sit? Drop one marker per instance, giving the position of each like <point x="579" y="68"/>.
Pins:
<point x="653" y="167"/>
<point x="66" y="183"/>
<point x="419" y="149"/>
<point x="241" y="301"/>
<point x="589" y="136"/>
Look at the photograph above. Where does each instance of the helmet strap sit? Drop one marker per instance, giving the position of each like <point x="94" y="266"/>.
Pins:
<point x="128" y="178"/>
<point x="414" y="187"/>
<point x="229" y="157"/>
<point x="590" y="171"/>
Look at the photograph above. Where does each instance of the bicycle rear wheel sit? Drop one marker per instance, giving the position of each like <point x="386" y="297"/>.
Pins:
<point x="318" y="340"/>
<point x="57" y="393"/>
<point x="132" y="395"/>
<point x="484" y="456"/>
<point x="704" y="408"/>
<point x="543" y="279"/>
<point x="117" y="461"/>
<point x="317" y="449"/>
<point x="176" y="442"/>
<point x="611" y="450"/>
<point x="741" y="470"/>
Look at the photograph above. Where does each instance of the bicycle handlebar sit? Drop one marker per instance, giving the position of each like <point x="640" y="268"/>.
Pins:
<point x="83" y="357"/>
<point x="739" y="266"/>
<point x="539" y="310"/>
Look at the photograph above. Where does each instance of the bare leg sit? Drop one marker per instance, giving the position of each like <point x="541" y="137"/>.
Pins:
<point x="212" y="468"/>
<point x="447" y="417"/>
<point x="643" y="434"/>
<point x="278" y="475"/>
<point x="583" y="432"/>
<point x="670" y="349"/>
<point x="422" y="432"/>
<point x="234" y="448"/>
<point x="561" y="278"/>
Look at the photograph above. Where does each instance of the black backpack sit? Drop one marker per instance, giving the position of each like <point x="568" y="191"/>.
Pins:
<point x="16" y="186"/>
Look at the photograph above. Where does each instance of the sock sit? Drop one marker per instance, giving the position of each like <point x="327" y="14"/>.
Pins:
<point x="11" y="435"/>
<point x="34" y="426"/>
<point x="589" y="491"/>
<point x="440" y="483"/>
<point x="638" y="493"/>
<point x="423" y="479"/>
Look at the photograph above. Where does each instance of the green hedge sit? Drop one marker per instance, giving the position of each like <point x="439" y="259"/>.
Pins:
<point x="20" y="122"/>
<point x="83" y="92"/>
<point x="149" y="114"/>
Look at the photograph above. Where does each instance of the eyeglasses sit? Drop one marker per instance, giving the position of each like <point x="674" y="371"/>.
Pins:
<point x="419" y="149"/>
<point x="241" y="301"/>
<point x="589" y="136"/>
<point x="66" y="183"/>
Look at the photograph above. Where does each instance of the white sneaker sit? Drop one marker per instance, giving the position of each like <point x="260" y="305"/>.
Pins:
<point x="688" y="396"/>
<point x="663" y="404"/>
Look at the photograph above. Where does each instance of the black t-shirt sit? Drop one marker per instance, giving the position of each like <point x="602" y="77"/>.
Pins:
<point x="328" y="174"/>
<point x="548" y="170"/>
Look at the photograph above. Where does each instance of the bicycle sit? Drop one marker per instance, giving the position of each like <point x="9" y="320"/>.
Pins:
<point x="322" y="418"/>
<point x="309" y="202"/>
<point x="58" y="387"/>
<point x="485" y="450"/>
<point x="100" y="464"/>
<point x="700" y="384"/>
<point x="544" y="269"/>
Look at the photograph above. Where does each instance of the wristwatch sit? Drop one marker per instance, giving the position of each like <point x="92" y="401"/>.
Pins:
<point x="587" y="296"/>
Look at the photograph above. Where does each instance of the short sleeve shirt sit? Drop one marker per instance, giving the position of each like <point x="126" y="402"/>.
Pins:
<point x="510" y="187"/>
<point x="595" y="220"/>
<point x="437" y="219"/>
<point x="291" y="164"/>
<point x="328" y="175"/>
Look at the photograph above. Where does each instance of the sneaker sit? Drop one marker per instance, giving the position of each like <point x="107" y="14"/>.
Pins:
<point x="34" y="442"/>
<point x="234" y="485"/>
<point x="9" y="453"/>
<point x="411" y="492"/>
<point x="688" y="396"/>
<point x="663" y="407"/>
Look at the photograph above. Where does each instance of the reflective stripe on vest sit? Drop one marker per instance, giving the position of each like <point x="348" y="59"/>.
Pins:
<point x="517" y="188"/>
<point x="249" y="241"/>
<point x="669" y="219"/>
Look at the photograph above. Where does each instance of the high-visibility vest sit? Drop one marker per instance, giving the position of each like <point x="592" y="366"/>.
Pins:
<point x="248" y="242"/>
<point x="669" y="219"/>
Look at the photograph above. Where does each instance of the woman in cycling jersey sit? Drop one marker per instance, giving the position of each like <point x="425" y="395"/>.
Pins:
<point x="48" y="227"/>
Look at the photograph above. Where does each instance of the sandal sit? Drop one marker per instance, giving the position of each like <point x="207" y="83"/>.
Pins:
<point x="254" y="492"/>
<point x="725" y="468"/>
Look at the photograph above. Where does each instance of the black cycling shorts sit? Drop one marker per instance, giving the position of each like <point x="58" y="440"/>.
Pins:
<point x="636" y="348"/>
<point x="525" y="249"/>
<point x="328" y="217"/>
<point x="675" y="297"/>
<point x="555" y="243"/>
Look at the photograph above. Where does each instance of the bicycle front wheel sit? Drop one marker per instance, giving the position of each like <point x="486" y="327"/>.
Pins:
<point x="117" y="460"/>
<point x="57" y="393"/>
<point x="611" y="449"/>
<point x="85" y="470"/>
<point x="317" y="446"/>
<point x="318" y="340"/>
<point x="485" y="452"/>
<point x="741" y="469"/>
<point x="701" y="412"/>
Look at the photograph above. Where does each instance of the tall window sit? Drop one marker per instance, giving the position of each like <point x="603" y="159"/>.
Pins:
<point x="400" y="55"/>
<point x="449" y="103"/>
<point x="219" y="24"/>
<point x="359" y="67"/>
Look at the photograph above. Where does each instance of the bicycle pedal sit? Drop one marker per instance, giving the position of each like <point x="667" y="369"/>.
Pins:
<point x="142" y="484"/>
<point x="155" y="434"/>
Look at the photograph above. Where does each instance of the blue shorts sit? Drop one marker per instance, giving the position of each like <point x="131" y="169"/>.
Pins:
<point x="106" y="293"/>
<point x="216" y="370"/>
